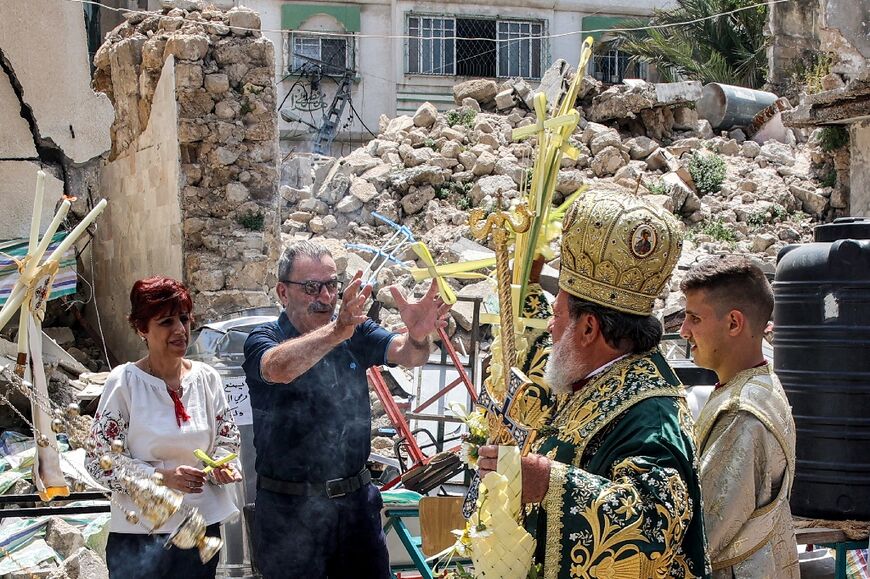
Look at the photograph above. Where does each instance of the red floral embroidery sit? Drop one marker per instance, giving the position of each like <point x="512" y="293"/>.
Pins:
<point x="112" y="429"/>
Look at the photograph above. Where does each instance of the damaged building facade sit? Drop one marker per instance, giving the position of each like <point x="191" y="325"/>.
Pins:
<point x="833" y="32"/>
<point x="192" y="176"/>
<point x="390" y="57"/>
<point x="61" y="131"/>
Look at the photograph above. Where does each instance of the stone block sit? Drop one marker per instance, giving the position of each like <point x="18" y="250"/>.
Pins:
<point x="491" y="186"/>
<point x="641" y="147"/>
<point x="608" y="161"/>
<point x="63" y="537"/>
<point x="603" y="140"/>
<point x="484" y="164"/>
<point x="812" y="202"/>
<point x="187" y="46"/>
<point x="505" y="100"/>
<point x="481" y="90"/>
<point x="217" y="83"/>
<point x="362" y="189"/>
<point x="243" y="21"/>
<point x="417" y="199"/>
<point x="554" y="83"/>
<point x="83" y="564"/>
<point x="62" y="335"/>
<point x="348" y="204"/>
<point x="426" y="115"/>
<point x="471" y="104"/>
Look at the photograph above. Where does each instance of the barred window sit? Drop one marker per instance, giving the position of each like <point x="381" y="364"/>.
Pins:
<point x="484" y="47"/>
<point x="308" y="49"/>
<point x="519" y="49"/>
<point x="430" y="50"/>
<point x="613" y="66"/>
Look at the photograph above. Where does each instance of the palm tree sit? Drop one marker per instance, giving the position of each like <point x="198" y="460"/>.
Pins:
<point x="711" y="47"/>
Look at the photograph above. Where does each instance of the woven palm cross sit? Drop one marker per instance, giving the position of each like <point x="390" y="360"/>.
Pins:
<point x="507" y="428"/>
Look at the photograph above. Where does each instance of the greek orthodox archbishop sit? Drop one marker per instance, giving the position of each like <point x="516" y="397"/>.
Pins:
<point x="613" y="482"/>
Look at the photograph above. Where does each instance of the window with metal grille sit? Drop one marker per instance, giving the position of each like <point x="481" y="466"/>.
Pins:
<point x="612" y="66"/>
<point x="519" y="49"/>
<point x="483" y="47"/>
<point x="333" y="54"/>
<point x="431" y="48"/>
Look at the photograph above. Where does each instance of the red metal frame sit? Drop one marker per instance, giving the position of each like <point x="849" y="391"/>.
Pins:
<point x="397" y="418"/>
<point x="463" y="375"/>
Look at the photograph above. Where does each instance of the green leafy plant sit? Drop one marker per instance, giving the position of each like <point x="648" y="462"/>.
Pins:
<point x="718" y="230"/>
<point x="757" y="219"/>
<point x="454" y="192"/>
<point x="778" y="212"/>
<point x="464" y="117"/>
<point x="832" y="138"/>
<point x="656" y="188"/>
<point x="708" y="171"/>
<point x="251" y="220"/>
<point x="429" y="142"/>
<point x="808" y="70"/>
<point x="707" y="41"/>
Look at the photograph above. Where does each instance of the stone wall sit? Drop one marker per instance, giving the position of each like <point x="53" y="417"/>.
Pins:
<point x="140" y="231"/>
<point x="792" y="30"/>
<point x="843" y="33"/>
<point x="207" y="205"/>
<point x="797" y="29"/>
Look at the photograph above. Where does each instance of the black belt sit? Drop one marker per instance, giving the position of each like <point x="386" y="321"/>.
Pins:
<point x="337" y="487"/>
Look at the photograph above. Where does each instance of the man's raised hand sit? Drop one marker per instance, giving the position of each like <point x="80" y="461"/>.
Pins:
<point x="424" y="316"/>
<point x="351" y="312"/>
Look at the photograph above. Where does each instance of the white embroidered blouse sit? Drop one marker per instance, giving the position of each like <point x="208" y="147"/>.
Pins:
<point x="136" y="408"/>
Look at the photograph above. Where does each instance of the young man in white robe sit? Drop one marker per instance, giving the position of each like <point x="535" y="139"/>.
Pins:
<point x="745" y="432"/>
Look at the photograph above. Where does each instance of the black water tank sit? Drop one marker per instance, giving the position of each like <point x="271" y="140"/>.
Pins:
<point x="822" y="357"/>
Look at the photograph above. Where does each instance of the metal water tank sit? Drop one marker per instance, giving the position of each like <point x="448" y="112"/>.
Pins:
<point x="822" y="357"/>
<point x="726" y="106"/>
<point x="221" y="345"/>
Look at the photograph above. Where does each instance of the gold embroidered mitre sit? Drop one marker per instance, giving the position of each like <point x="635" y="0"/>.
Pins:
<point x="618" y="250"/>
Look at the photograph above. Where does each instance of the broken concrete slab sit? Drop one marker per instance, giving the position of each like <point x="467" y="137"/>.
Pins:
<point x="63" y="537"/>
<point x="75" y="120"/>
<point x="671" y="93"/>
<point x="17" y="188"/>
<point x="83" y="564"/>
<point x="628" y="100"/>
<point x="16" y="140"/>
<point x="554" y="83"/>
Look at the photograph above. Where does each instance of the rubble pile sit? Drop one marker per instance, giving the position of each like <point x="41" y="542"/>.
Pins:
<point x="428" y="170"/>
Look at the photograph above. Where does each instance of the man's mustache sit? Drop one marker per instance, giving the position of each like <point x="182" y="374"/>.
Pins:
<point x="319" y="307"/>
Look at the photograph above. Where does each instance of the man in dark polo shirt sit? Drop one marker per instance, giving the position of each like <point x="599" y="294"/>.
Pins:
<point x="317" y="514"/>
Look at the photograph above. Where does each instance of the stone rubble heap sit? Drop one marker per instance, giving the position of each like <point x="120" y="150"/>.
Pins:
<point x="428" y="170"/>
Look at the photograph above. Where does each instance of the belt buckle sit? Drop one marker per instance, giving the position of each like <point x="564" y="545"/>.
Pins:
<point x="339" y="492"/>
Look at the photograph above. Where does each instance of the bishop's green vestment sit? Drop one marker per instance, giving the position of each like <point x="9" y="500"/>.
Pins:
<point x="624" y="499"/>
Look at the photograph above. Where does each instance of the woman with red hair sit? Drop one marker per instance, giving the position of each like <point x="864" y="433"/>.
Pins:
<point x="162" y="408"/>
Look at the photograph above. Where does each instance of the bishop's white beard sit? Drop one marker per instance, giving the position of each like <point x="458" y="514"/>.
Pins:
<point x="563" y="366"/>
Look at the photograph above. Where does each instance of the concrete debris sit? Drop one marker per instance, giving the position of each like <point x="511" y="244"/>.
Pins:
<point x="481" y="90"/>
<point x="627" y="101"/>
<point x="428" y="170"/>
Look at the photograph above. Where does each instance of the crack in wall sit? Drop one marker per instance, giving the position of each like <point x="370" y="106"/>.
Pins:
<point x="47" y="150"/>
